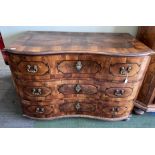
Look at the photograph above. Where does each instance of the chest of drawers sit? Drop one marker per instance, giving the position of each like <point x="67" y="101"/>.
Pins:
<point x="60" y="74"/>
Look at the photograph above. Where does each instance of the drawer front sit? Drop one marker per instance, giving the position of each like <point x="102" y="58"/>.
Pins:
<point x="99" y="67"/>
<point x="35" y="91"/>
<point x="29" y="67"/>
<point x="59" y="107"/>
<point x="40" y="91"/>
<point x="115" y="109"/>
<point x="38" y="111"/>
<point x="78" y="89"/>
<point x="78" y="108"/>
<point x="79" y="66"/>
<point x="118" y="92"/>
<point x="89" y="107"/>
<point x="33" y="68"/>
<point x="124" y="69"/>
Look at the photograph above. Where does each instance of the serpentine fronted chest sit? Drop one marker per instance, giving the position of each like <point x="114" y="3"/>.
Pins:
<point x="62" y="74"/>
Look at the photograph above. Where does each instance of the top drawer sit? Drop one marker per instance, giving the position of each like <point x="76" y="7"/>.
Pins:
<point x="103" y="68"/>
<point x="79" y="66"/>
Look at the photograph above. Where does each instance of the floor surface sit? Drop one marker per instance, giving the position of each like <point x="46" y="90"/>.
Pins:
<point x="11" y="116"/>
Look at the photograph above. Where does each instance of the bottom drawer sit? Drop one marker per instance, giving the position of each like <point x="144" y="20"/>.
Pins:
<point x="38" y="111"/>
<point x="90" y="108"/>
<point x="115" y="109"/>
<point x="78" y="107"/>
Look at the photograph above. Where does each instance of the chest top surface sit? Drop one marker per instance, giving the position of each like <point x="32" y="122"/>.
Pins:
<point x="43" y="42"/>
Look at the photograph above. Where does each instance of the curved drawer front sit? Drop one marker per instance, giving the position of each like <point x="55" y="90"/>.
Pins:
<point x="119" y="92"/>
<point x="91" y="107"/>
<point x="33" y="68"/>
<point x="115" y="109"/>
<point x="79" y="66"/>
<point x="49" y="90"/>
<point x="99" y="67"/>
<point x="124" y="69"/>
<point x="77" y="107"/>
<point x="38" y="111"/>
<point x="37" y="91"/>
<point x="77" y="89"/>
<point x="29" y="67"/>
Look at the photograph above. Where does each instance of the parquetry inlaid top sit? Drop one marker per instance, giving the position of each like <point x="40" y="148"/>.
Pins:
<point x="116" y="44"/>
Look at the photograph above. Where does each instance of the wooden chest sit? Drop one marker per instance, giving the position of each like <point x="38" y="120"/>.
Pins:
<point x="146" y="97"/>
<point x="60" y="74"/>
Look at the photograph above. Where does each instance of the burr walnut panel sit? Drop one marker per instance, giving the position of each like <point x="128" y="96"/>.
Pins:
<point x="78" y="89"/>
<point x="93" y="75"/>
<point x="124" y="69"/>
<point x="33" y="68"/>
<point x="78" y="107"/>
<point x="80" y="67"/>
<point x="114" y="110"/>
<point x="38" y="111"/>
<point x="119" y="92"/>
<point x="36" y="91"/>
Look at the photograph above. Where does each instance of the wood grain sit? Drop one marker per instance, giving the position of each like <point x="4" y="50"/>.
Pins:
<point x="78" y="74"/>
<point x="115" y="44"/>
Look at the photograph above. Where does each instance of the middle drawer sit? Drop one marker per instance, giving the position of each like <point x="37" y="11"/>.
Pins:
<point x="40" y="91"/>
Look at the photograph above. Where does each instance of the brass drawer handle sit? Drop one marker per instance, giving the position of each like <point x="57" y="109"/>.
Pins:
<point x="115" y="109"/>
<point x="40" y="110"/>
<point x="32" y="69"/>
<point x="37" y="91"/>
<point x="124" y="71"/>
<point x="77" y="88"/>
<point x="119" y="92"/>
<point x="77" y="106"/>
<point x="78" y="65"/>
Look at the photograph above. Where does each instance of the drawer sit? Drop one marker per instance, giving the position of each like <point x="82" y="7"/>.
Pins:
<point x="77" y="107"/>
<point x="78" y="89"/>
<point x="36" y="91"/>
<point x="115" y="109"/>
<point x="59" y="107"/>
<point x="124" y="69"/>
<point x="29" y="67"/>
<point x="39" y="111"/>
<point x="90" y="107"/>
<point x="117" y="92"/>
<point x="40" y="91"/>
<point x="79" y="66"/>
<point x="97" y="67"/>
<point x="33" y="68"/>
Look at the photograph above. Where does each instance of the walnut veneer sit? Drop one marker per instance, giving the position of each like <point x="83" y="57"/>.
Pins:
<point x="96" y="75"/>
